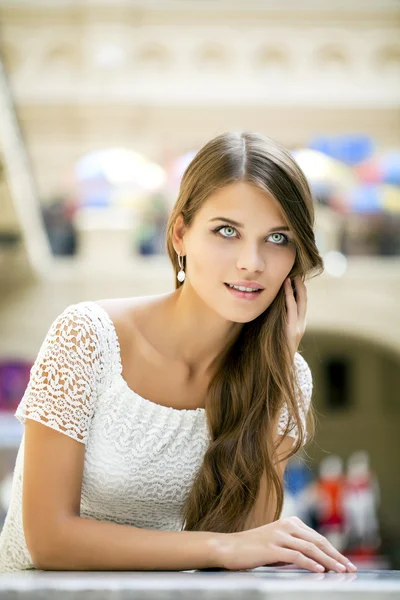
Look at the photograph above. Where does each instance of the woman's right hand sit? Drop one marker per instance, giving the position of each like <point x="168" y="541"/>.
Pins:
<point x="287" y="541"/>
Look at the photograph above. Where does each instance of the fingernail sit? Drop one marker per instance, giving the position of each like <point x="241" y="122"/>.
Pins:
<point x="340" y="567"/>
<point x="350" y="564"/>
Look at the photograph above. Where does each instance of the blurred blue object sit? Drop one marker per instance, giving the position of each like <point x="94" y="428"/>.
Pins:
<point x="297" y="477"/>
<point x="100" y="198"/>
<point x="390" y="167"/>
<point x="91" y="167"/>
<point x="351" y="149"/>
<point x="366" y="199"/>
<point x="370" y="198"/>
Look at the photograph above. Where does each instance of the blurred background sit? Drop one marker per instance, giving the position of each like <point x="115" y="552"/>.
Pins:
<point x="103" y="103"/>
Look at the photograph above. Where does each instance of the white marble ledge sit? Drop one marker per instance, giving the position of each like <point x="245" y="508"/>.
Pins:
<point x="264" y="583"/>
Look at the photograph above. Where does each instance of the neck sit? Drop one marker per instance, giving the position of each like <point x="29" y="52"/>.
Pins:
<point x="196" y="335"/>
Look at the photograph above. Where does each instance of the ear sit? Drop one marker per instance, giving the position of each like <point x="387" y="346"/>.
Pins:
<point x="178" y="233"/>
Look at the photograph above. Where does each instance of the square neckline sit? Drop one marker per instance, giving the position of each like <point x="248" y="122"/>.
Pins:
<point x="123" y="381"/>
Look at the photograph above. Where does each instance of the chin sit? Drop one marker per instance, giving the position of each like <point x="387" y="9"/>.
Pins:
<point x="234" y="317"/>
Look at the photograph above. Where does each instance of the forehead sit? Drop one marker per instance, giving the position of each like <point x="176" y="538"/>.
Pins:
<point x="243" y="202"/>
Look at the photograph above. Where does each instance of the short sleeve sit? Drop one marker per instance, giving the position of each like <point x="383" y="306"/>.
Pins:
<point x="305" y="384"/>
<point x="64" y="377"/>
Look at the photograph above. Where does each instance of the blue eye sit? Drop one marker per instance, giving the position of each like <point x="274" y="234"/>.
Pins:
<point x="285" y="241"/>
<point x="285" y="238"/>
<point x="224" y="227"/>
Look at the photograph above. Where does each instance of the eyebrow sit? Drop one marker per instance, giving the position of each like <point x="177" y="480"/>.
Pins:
<point x="277" y="228"/>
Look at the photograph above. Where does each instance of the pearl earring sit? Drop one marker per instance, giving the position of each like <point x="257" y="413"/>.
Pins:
<point x="181" y="275"/>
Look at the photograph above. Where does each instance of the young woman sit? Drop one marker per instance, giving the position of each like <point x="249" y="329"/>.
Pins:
<point x="157" y="429"/>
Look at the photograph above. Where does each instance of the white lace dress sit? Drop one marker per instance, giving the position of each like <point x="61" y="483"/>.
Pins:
<point x="140" y="458"/>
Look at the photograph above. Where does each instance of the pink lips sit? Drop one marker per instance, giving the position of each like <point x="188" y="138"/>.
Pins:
<point x="249" y="284"/>
<point x="243" y="295"/>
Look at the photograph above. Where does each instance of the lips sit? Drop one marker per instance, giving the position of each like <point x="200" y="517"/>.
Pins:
<point x="243" y="295"/>
<point x="248" y="284"/>
<point x="251" y="286"/>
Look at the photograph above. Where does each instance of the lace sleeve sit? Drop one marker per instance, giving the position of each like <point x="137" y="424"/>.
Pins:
<point x="63" y="380"/>
<point x="305" y="383"/>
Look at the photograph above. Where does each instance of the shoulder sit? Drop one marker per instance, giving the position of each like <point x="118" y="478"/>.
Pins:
<point x="127" y="315"/>
<point x="88" y="325"/>
<point x="119" y="310"/>
<point x="124" y="308"/>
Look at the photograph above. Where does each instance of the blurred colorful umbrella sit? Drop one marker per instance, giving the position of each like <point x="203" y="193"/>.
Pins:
<point x="116" y="176"/>
<point x="369" y="171"/>
<point x="350" y="148"/>
<point x="324" y="174"/>
<point x="390" y="167"/>
<point x="381" y="169"/>
<point x="373" y="199"/>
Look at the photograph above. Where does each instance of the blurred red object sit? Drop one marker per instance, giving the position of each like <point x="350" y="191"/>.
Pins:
<point x="369" y="171"/>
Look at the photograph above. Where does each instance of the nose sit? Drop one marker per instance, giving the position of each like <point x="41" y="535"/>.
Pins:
<point x="250" y="259"/>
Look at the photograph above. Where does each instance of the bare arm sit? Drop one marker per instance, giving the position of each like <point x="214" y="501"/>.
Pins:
<point x="59" y="539"/>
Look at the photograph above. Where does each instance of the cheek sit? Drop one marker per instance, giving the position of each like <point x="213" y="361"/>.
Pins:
<point x="208" y="257"/>
<point x="278" y="264"/>
<point x="284" y="258"/>
<point x="202" y="264"/>
<point x="278" y="260"/>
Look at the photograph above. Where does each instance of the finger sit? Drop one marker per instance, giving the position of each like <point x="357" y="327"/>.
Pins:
<point x="297" y="558"/>
<point x="310" y="535"/>
<point x="301" y="300"/>
<point x="308" y="548"/>
<point x="320" y="539"/>
<point x="290" y="302"/>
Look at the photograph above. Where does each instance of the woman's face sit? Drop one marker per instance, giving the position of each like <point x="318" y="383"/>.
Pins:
<point x="219" y="251"/>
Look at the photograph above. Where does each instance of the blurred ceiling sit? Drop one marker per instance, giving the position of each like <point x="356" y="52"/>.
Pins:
<point x="82" y="73"/>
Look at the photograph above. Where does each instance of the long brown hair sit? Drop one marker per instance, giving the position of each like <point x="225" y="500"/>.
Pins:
<point x="254" y="376"/>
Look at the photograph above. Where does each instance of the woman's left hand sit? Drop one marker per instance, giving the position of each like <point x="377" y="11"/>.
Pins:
<point x="296" y="312"/>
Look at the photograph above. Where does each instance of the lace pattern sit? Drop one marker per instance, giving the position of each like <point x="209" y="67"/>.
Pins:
<point x="305" y="383"/>
<point x="140" y="458"/>
<point x="66" y="376"/>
